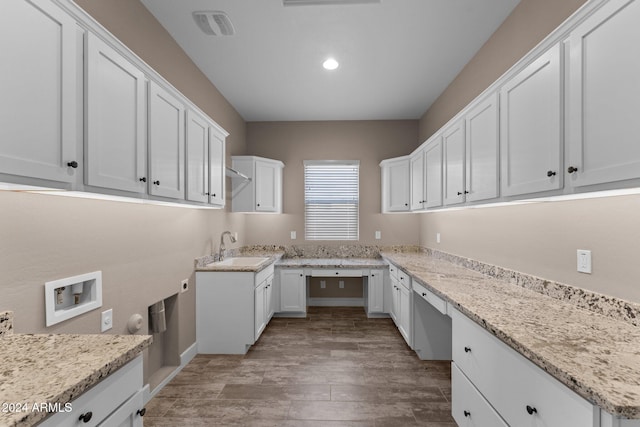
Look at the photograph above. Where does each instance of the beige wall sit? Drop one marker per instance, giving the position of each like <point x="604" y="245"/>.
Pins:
<point x="143" y="251"/>
<point x="539" y="239"/>
<point x="367" y="141"/>
<point x="527" y="25"/>
<point x="353" y="287"/>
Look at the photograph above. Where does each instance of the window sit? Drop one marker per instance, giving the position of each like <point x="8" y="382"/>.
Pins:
<point x="331" y="195"/>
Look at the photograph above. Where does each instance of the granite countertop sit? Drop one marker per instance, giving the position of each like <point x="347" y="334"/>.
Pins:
<point x="319" y="263"/>
<point x="56" y="368"/>
<point x="594" y="355"/>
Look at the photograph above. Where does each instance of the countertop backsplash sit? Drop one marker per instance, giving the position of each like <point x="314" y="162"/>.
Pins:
<point x="6" y="323"/>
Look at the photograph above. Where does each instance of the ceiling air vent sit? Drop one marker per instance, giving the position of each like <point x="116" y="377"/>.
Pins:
<point x="325" y="2"/>
<point x="214" y="23"/>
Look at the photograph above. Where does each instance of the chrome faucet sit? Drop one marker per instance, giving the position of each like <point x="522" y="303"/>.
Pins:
<point x="222" y="248"/>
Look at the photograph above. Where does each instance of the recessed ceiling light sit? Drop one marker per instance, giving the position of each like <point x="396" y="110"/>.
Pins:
<point x="330" y="64"/>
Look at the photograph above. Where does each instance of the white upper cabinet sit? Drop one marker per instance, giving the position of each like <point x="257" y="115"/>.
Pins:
<point x="217" y="159"/>
<point x="197" y="145"/>
<point x="604" y="101"/>
<point x="262" y="191"/>
<point x="268" y="182"/>
<point x="417" y="180"/>
<point x="116" y="128"/>
<point x="38" y="83"/>
<point x="530" y="128"/>
<point x="482" y="150"/>
<point x="433" y="173"/>
<point x="166" y="143"/>
<point x="395" y="184"/>
<point x="453" y="147"/>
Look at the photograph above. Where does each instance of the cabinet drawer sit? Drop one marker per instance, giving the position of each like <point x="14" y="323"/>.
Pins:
<point x="404" y="279"/>
<point x="261" y="276"/>
<point x="393" y="271"/>
<point x="336" y="272"/>
<point x="522" y="393"/>
<point x="468" y="407"/>
<point x="431" y="298"/>
<point x="103" y="398"/>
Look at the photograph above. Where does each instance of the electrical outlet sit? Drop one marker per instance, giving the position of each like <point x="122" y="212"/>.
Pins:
<point x="341" y="284"/>
<point x="184" y="285"/>
<point x="378" y="235"/>
<point x="437" y="237"/>
<point x="106" y="320"/>
<point x="584" y="261"/>
<point x="323" y="284"/>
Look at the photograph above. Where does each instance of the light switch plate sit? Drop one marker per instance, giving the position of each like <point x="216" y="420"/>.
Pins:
<point x="293" y="235"/>
<point x="378" y="235"/>
<point x="437" y="237"/>
<point x="584" y="261"/>
<point x="106" y="321"/>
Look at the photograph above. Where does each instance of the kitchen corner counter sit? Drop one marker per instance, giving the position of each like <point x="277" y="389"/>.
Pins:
<point x="57" y="368"/>
<point x="594" y="355"/>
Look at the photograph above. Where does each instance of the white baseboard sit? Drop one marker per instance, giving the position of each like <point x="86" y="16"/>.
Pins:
<point x="185" y="358"/>
<point x="336" y="302"/>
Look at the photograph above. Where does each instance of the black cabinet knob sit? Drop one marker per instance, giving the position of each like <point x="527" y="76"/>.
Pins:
<point x="156" y="182"/>
<point x="141" y="412"/>
<point x="143" y="179"/>
<point x="72" y="164"/>
<point x="467" y="349"/>
<point x="459" y="193"/>
<point x="531" y="410"/>
<point x="258" y="204"/>
<point x="214" y="194"/>
<point x="373" y="275"/>
<point x="206" y="194"/>
<point x="424" y="295"/>
<point x="86" y="417"/>
<point x="467" y="413"/>
<point x="406" y="204"/>
<point x="572" y="169"/>
<point x="466" y="192"/>
<point x="300" y="275"/>
<point x="551" y="173"/>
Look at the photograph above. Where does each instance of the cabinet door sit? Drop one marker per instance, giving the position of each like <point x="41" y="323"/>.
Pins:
<point x="128" y="414"/>
<point x="216" y="167"/>
<point x="530" y="130"/>
<point x="269" y="303"/>
<point x="482" y="150"/>
<point x="417" y="181"/>
<point x="395" y="303"/>
<point x="115" y="150"/>
<point x="259" y="314"/>
<point x="197" y="142"/>
<point x="398" y="186"/>
<point x="376" y="291"/>
<point x="292" y="291"/>
<point x="266" y="187"/>
<point x="603" y="99"/>
<point x="468" y="407"/>
<point x="38" y="83"/>
<point x="404" y="297"/>
<point x="453" y="146"/>
<point x="433" y="174"/>
<point x="166" y="144"/>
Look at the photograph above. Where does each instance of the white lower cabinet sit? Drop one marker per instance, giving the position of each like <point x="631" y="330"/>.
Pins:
<point x="522" y="393"/>
<point x="468" y="407"/>
<point x="293" y="291"/>
<point x="375" y="292"/>
<point x="231" y="309"/>
<point x="401" y="303"/>
<point x="263" y="307"/>
<point x="115" y="401"/>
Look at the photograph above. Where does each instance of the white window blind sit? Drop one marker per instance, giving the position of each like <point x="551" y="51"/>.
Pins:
<point x="331" y="195"/>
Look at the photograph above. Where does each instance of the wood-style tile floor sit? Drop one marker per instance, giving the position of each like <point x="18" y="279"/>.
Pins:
<point x="335" y="368"/>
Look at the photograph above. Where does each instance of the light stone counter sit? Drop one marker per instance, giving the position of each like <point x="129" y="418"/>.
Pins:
<point x="55" y="369"/>
<point x="596" y="356"/>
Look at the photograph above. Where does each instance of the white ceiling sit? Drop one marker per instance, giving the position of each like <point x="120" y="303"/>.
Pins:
<point x="396" y="57"/>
